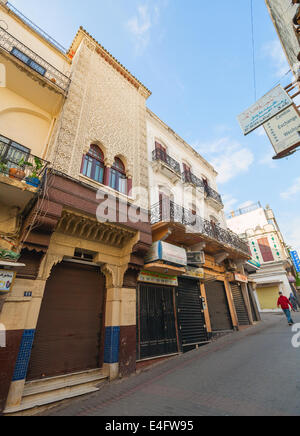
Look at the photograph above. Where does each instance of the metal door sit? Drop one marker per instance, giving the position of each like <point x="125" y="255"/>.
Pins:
<point x="68" y="336"/>
<point x="218" y="307"/>
<point x="191" y="320"/>
<point x="240" y="306"/>
<point x="157" y="335"/>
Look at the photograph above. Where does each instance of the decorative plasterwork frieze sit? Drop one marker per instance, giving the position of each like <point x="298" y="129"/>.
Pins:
<point x="84" y="227"/>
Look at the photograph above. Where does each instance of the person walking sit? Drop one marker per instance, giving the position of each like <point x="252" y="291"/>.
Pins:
<point x="294" y="302"/>
<point x="284" y="303"/>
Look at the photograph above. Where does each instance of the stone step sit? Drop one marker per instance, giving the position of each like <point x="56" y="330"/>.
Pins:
<point x="69" y="380"/>
<point x="29" y="408"/>
<point x="41" y="393"/>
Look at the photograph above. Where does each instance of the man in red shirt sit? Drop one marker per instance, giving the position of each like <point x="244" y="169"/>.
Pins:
<point x="285" y="304"/>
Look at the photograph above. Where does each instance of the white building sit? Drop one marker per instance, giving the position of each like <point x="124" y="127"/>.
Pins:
<point x="258" y="226"/>
<point x="179" y="173"/>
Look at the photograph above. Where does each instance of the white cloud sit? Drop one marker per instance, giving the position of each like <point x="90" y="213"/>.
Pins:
<point x="228" y="157"/>
<point x="291" y="233"/>
<point x="292" y="191"/>
<point x="140" y="25"/>
<point x="273" y="50"/>
<point x="268" y="160"/>
<point x="229" y="202"/>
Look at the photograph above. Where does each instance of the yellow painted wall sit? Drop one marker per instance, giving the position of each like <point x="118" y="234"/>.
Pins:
<point x="268" y="297"/>
<point x="8" y="220"/>
<point x="23" y="122"/>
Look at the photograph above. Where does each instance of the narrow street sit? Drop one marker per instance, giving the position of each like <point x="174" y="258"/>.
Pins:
<point x="252" y="372"/>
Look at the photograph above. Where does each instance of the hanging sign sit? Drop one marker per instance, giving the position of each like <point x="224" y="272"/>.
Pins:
<point x="6" y="281"/>
<point x="197" y="273"/>
<point x="240" y="278"/>
<point x="264" y="109"/>
<point x="158" y="279"/>
<point x="284" y="130"/>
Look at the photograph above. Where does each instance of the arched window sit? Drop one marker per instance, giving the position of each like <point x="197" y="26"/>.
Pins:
<point x="93" y="164"/>
<point x="118" y="179"/>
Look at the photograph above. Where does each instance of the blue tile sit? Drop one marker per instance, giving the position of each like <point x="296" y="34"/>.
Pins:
<point x="24" y="355"/>
<point x="112" y="345"/>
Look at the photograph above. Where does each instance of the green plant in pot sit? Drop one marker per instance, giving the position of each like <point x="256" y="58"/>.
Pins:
<point x="18" y="171"/>
<point x="3" y="167"/>
<point x="34" y="178"/>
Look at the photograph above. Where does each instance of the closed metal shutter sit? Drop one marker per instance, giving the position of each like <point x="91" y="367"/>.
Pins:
<point x="69" y="330"/>
<point x="191" y="318"/>
<point x="218" y="308"/>
<point x="157" y="335"/>
<point x="253" y="304"/>
<point x="240" y="306"/>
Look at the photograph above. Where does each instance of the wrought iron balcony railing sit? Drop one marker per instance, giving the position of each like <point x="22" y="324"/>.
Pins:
<point x="189" y="177"/>
<point x="164" y="157"/>
<point x="170" y="212"/>
<point x="37" y="28"/>
<point x="18" y="163"/>
<point x="211" y="193"/>
<point x="24" y="54"/>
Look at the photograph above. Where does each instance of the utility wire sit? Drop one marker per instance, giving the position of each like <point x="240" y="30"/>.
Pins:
<point x="253" y="50"/>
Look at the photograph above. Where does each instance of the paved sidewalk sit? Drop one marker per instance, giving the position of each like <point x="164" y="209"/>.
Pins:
<point x="252" y="372"/>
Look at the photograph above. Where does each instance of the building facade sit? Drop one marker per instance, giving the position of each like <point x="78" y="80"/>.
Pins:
<point x="258" y="226"/>
<point x="285" y="15"/>
<point x="188" y="290"/>
<point x="113" y="235"/>
<point x="83" y="233"/>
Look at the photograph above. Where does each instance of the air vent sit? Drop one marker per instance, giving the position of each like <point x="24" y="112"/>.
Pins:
<point x="87" y="256"/>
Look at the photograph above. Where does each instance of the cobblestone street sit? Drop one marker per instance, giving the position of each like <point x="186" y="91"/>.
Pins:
<point x="252" y="372"/>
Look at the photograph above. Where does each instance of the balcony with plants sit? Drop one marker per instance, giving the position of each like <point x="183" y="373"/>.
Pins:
<point x="20" y="168"/>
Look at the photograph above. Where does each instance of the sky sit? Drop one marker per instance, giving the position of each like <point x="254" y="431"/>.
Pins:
<point x="196" y="58"/>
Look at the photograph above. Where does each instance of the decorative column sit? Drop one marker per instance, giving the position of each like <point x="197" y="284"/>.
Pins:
<point x="114" y="283"/>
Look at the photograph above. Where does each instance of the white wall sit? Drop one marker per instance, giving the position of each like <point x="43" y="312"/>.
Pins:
<point x="240" y="224"/>
<point x="181" y="193"/>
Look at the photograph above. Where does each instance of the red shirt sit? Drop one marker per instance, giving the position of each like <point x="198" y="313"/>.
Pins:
<point x="284" y="302"/>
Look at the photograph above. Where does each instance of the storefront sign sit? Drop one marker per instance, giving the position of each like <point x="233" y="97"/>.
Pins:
<point x="240" y="278"/>
<point x="168" y="253"/>
<point x="284" y="130"/>
<point x="197" y="273"/>
<point x="266" y="108"/>
<point x="158" y="279"/>
<point x="6" y="281"/>
<point x="296" y="260"/>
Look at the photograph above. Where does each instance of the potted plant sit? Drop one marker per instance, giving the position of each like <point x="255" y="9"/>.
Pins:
<point x="34" y="179"/>
<point x="18" y="172"/>
<point x="3" y="167"/>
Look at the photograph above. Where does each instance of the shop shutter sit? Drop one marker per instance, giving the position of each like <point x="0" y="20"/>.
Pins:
<point x="191" y="320"/>
<point x="253" y="304"/>
<point x="157" y="335"/>
<point x="218" y="308"/>
<point x="32" y="260"/>
<point x="69" y="331"/>
<point x="240" y="306"/>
